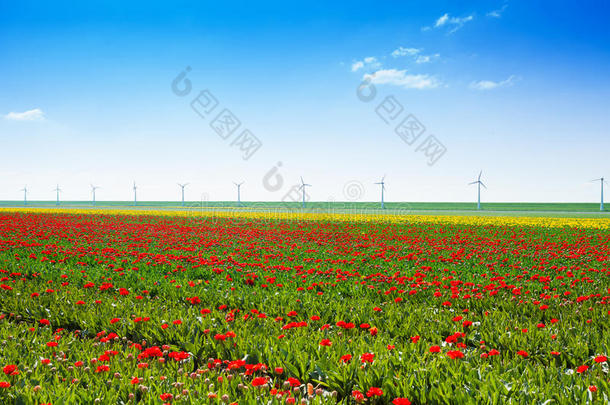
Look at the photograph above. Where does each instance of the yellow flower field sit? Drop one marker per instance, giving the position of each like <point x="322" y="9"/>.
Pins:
<point x="548" y="222"/>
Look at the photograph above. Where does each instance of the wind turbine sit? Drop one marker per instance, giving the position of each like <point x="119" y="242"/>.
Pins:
<point x="93" y="188"/>
<point x="238" y="192"/>
<point x="601" y="182"/>
<point x="182" y="187"/>
<point x="135" y="195"/>
<point x="57" y="190"/>
<point x="303" y="185"/>
<point x="382" y="190"/>
<point x="25" y="195"/>
<point x="479" y="183"/>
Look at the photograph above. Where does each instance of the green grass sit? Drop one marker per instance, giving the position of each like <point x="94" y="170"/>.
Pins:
<point x="405" y="206"/>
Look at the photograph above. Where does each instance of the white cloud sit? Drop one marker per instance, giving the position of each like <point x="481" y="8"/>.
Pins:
<point x="31" y="115"/>
<point x="442" y="20"/>
<point x="497" y="13"/>
<point x="416" y="53"/>
<point x="357" y="65"/>
<point x="402" y="79"/>
<point x="426" y="58"/>
<point x="490" y="85"/>
<point x="370" y="62"/>
<point x="454" y="22"/>
<point x="422" y="59"/>
<point x="459" y="22"/>
<point x="402" y="51"/>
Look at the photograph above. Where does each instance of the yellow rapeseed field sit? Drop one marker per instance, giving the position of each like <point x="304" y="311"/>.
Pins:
<point x="549" y="222"/>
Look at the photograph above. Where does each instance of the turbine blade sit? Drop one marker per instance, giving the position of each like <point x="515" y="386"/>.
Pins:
<point x="483" y="185"/>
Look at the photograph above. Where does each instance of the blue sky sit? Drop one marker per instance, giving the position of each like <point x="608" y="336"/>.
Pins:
<point x="518" y="89"/>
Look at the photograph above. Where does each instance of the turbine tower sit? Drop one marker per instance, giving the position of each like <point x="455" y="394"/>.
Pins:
<point x="93" y="188"/>
<point x="25" y="195"/>
<point x="601" y="183"/>
<point x="135" y="194"/>
<point x="303" y="185"/>
<point x="238" y="185"/>
<point x="382" y="190"/>
<point x="182" y="187"/>
<point x="57" y="190"/>
<point x="479" y="183"/>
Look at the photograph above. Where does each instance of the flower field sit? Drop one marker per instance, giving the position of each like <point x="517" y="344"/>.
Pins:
<point x="112" y="307"/>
